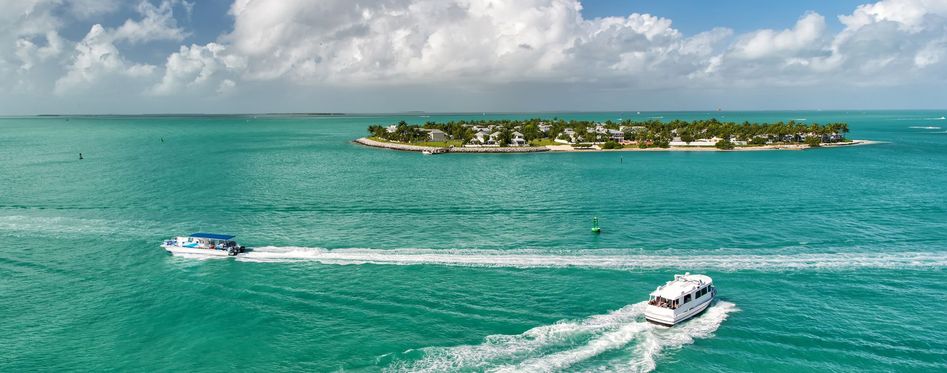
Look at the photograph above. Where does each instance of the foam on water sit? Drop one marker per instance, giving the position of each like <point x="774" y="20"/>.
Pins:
<point x="69" y="227"/>
<point x="607" y="259"/>
<point x="659" y="339"/>
<point x="566" y="344"/>
<point x="929" y="118"/>
<point x="925" y="127"/>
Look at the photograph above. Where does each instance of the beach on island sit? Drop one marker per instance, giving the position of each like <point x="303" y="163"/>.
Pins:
<point x="596" y="148"/>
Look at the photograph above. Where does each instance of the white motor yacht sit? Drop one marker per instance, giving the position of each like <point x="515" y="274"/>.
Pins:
<point x="681" y="299"/>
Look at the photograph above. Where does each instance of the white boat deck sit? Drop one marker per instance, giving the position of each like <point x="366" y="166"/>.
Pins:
<point x="682" y="285"/>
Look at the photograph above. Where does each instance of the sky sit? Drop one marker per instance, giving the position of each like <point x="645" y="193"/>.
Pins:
<point x="364" y="56"/>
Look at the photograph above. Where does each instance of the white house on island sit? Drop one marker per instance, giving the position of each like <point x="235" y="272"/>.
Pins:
<point x="435" y="135"/>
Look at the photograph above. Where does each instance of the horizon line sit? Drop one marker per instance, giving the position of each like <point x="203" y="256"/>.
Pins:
<point x="420" y="112"/>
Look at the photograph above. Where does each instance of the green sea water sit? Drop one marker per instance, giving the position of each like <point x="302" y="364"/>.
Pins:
<point x="377" y="260"/>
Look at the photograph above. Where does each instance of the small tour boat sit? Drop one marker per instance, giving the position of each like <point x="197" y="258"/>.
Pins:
<point x="681" y="299"/>
<point x="209" y="244"/>
<point x="427" y="152"/>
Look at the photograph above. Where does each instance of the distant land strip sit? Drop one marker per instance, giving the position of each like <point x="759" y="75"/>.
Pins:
<point x="536" y="135"/>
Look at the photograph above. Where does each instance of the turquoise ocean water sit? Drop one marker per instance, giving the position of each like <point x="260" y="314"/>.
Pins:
<point x="377" y="260"/>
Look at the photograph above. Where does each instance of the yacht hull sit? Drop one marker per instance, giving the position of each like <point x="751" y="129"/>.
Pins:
<point x="177" y="250"/>
<point x="660" y="316"/>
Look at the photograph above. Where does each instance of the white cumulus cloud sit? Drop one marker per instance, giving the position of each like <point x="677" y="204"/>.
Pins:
<point x="384" y="42"/>
<point x="156" y="23"/>
<point x="456" y="40"/>
<point x="30" y="53"/>
<point x="195" y="66"/>
<point x="910" y="15"/>
<point x="804" y="37"/>
<point x="472" y="45"/>
<point x="96" y="56"/>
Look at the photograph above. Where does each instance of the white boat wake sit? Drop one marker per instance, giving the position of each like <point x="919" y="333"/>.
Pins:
<point x="572" y="345"/>
<point x="928" y="118"/>
<point x="925" y="127"/>
<point x="602" y="258"/>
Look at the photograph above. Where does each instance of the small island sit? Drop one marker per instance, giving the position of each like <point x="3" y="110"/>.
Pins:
<point x="539" y="135"/>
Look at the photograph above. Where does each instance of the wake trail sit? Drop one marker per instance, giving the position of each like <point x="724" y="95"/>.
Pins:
<point x="568" y="344"/>
<point x="603" y="258"/>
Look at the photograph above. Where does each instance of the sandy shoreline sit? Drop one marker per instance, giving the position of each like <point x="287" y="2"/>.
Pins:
<point x="415" y="148"/>
<point x="568" y="148"/>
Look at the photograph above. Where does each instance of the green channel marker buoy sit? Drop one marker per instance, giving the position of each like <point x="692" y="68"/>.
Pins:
<point x="595" y="228"/>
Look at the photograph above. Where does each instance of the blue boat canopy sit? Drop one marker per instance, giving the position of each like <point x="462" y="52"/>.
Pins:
<point x="213" y="236"/>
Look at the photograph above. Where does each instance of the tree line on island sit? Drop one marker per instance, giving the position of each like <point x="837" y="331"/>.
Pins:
<point x="610" y="134"/>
